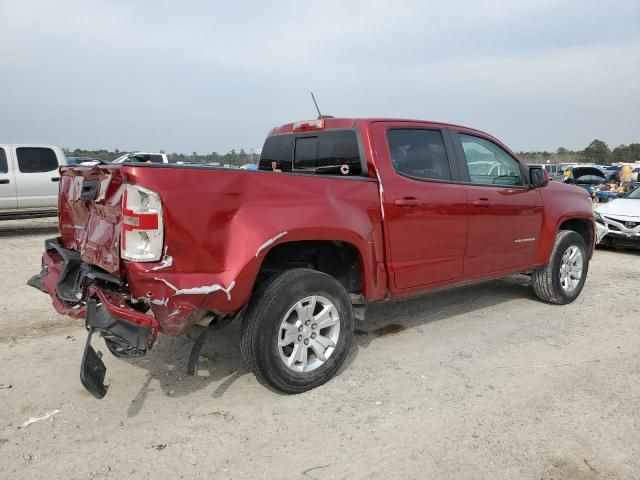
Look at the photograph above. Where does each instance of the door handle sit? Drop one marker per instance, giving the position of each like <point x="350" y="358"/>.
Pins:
<point x="55" y="179"/>
<point x="408" y="202"/>
<point x="4" y="180"/>
<point x="482" y="202"/>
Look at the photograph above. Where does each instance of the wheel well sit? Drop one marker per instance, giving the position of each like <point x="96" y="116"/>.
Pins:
<point x="582" y="227"/>
<point x="341" y="260"/>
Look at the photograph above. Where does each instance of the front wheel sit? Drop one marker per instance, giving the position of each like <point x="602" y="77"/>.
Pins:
<point x="562" y="279"/>
<point x="298" y="330"/>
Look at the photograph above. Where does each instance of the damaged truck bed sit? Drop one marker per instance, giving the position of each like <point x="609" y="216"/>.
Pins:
<point x="340" y="213"/>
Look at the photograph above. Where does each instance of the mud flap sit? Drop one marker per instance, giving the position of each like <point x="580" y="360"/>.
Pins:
<point x="92" y="369"/>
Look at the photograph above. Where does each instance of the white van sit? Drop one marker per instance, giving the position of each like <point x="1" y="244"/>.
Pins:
<point x="29" y="179"/>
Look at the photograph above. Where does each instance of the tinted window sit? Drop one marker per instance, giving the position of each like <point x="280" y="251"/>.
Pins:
<point x="419" y="153"/>
<point x="331" y="152"/>
<point x="306" y="153"/>
<point x="276" y="153"/>
<point x="4" y="168"/>
<point x="488" y="163"/>
<point x="34" y="160"/>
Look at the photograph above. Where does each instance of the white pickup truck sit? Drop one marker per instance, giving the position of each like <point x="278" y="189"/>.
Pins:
<point x="29" y="180"/>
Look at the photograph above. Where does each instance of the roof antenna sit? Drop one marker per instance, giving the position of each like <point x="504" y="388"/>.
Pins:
<point x="320" y="116"/>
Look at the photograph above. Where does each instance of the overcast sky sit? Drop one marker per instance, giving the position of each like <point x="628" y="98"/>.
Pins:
<point x="205" y="75"/>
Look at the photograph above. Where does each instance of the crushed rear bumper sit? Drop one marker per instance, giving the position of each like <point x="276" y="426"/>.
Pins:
<point x="71" y="284"/>
<point x="83" y="291"/>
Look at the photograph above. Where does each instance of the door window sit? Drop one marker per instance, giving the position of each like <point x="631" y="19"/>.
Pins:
<point x="4" y="168"/>
<point x="419" y="153"/>
<point x="489" y="164"/>
<point x="36" y="159"/>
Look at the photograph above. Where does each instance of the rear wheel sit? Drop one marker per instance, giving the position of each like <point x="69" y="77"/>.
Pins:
<point x="298" y="330"/>
<point x="562" y="279"/>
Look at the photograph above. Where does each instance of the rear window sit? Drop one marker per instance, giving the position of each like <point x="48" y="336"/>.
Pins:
<point x="333" y="152"/>
<point x="4" y="168"/>
<point x="36" y="159"/>
<point x="277" y="153"/>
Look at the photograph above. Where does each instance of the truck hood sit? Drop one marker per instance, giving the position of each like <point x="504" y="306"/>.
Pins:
<point x="621" y="207"/>
<point x="90" y="213"/>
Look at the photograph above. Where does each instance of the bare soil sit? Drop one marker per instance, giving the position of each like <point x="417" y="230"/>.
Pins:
<point x="478" y="382"/>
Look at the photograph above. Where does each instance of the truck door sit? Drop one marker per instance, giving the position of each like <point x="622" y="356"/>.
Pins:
<point x="425" y="209"/>
<point x="37" y="177"/>
<point x="505" y="216"/>
<point x="8" y="199"/>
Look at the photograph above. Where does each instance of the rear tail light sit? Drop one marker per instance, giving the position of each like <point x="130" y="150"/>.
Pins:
<point x="309" y="125"/>
<point x="142" y="227"/>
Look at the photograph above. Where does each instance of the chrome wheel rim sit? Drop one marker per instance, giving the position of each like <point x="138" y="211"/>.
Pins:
<point x="571" y="269"/>
<point x="308" y="334"/>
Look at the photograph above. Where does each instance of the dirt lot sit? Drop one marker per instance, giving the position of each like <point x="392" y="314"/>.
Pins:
<point x="480" y="382"/>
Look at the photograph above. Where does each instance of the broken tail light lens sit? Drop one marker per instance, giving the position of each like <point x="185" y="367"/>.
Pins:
<point x="309" y="125"/>
<point x="142" y="227"/>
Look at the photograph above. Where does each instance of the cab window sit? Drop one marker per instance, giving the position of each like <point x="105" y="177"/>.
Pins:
<point x="36" y="159"/>
<point x="489" y="164"/>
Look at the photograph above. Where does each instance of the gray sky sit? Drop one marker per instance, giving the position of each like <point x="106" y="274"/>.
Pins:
<point x="205" y="75"/>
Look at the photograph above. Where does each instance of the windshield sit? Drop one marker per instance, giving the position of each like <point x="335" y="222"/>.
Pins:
<point x="635" y="194"/>
<point x="121" y="158"/>
<point x="139" y="157"/>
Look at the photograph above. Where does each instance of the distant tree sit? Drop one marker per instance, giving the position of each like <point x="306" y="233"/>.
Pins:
<point x="626" y="153"/>
<point x="562" y="151"/>
<point x="597" y="152"/>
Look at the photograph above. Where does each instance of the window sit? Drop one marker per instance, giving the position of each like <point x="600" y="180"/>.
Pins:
<point x="4" y="168"/>
<point x="276" y="153"/>
<point x="306" y="153"/>
<point x="419" y="153"/>
<point x="35" y="160"/>
<point x="489" y="164"/>
<point x="333" y="152"/>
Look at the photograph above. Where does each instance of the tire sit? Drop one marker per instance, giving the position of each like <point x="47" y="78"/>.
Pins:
<point x="549" y="283"/>
<point x="288" y="297"/>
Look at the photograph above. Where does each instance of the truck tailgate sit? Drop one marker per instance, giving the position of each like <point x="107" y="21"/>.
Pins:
<point x="90" y="214"/>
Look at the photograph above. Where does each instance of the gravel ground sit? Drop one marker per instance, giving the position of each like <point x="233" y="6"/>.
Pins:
<point x="479" y="382"/>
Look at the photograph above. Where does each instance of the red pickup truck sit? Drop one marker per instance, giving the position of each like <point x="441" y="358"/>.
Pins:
<point x="340" y="213"/>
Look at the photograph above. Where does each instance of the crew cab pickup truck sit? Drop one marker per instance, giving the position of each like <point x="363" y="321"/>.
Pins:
<point x="340" y="213"/>
<point x="29" y="180"/>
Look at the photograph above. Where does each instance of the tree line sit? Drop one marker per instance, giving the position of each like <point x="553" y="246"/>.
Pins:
<point x="597" y="152"/>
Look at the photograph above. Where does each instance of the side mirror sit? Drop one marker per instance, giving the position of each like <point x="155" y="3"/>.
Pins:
<point x="539" y="177"/>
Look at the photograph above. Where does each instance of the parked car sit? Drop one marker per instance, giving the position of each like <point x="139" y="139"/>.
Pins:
<point x="555" y="171"/>
<point x="340" y="213"/>
<point x="144" y="157"/>
<point x="613" y="172"/>
<point x="618" y="222"/>
<point x="588" y="177"/>
<point x="29" y="179"/>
